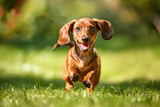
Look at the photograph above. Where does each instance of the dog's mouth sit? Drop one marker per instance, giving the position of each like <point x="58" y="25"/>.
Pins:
<point x="84" y="47"/>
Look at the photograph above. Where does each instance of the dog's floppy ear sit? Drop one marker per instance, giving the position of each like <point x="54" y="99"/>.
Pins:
<point x="64" y="36"/>
<point x="105" y="27"/>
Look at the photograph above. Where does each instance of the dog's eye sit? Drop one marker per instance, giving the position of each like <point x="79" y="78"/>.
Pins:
<point x="77" y="28"/>
<point x="92" y="28"/>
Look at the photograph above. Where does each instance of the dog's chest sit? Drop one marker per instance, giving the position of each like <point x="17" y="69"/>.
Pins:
<point x="83" y="63"/>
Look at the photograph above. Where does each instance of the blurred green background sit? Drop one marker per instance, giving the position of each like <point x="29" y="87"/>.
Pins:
<point x="29" y="28"/>
<point x="31" y="74"/>
<point x="40" y="20"/>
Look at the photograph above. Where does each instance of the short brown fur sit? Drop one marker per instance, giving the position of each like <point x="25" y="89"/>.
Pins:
<point x="83" y="62"/>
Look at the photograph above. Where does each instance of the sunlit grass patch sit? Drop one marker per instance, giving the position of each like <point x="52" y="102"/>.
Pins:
<point x="130" y="64"/>
<point x="33" y="77"/>
<point x="110" y="96"/>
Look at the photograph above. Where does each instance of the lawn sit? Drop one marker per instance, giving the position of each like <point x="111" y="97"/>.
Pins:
<point x="130" y="76"/>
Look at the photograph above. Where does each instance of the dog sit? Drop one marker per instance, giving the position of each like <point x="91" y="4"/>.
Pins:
<point x="82" y="62"/>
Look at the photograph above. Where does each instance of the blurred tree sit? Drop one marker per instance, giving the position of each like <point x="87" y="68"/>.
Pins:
<point x="148" y="11"/>
<point x="40" y="20"/>
<point x="11" y="5"/>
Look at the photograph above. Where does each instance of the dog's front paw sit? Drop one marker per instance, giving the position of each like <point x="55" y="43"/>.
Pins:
<point x="87" y="84"/>
<point x="74" y="77"/>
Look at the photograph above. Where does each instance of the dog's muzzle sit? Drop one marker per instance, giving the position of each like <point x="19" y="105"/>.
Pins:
<point x="84" y="46"/>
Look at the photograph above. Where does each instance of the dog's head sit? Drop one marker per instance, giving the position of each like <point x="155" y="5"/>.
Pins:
<point x="85" y="32"/>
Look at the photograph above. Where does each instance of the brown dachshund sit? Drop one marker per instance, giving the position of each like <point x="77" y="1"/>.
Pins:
<point x="83" y="62"/>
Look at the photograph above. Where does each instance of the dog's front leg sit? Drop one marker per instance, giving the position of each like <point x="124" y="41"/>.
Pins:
<point x="90" y="80"/>
<point x="70" y="75"/>
<point x="74" y="74"/>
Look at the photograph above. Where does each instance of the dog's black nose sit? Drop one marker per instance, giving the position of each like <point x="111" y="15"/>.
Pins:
<point x="85" y="39"/>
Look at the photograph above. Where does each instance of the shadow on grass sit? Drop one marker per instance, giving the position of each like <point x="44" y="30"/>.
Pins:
<point x="29" y="82"/>
<point x="137" y="83"/>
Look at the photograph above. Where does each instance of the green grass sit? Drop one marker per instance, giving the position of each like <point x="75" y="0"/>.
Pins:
<point x="33" y="77"/>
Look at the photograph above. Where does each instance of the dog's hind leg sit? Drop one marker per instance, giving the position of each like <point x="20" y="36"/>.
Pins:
<point x="69" y="84"/>
<point x="66" y="77"/>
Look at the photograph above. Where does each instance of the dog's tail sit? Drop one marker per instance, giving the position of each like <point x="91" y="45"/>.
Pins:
<point x="56" y="45"/>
